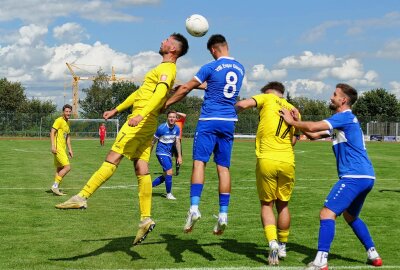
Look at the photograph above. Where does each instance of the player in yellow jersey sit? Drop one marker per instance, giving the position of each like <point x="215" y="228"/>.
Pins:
<point x="134" y="139"/>
<point x="60" y="140"/>
<point x="275" y="165"/>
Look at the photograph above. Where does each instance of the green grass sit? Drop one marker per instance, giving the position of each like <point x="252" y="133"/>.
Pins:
<point x="35" y="235"/>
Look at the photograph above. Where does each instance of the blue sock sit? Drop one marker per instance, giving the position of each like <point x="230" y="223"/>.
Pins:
<point x="326" y="234"/>
<point x="168" y="183"/>
<point x="224" y="202"/>
<point x="195" y="193"/>
<point x="158" y="181"/>
<point x="361" y="230"/>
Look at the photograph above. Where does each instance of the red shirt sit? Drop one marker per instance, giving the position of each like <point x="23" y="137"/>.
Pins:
<point x="180" y="123"/>
<point x="102" y="131"/>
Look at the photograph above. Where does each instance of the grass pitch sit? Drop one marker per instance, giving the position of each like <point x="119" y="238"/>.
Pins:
<point x="35" y="235"/>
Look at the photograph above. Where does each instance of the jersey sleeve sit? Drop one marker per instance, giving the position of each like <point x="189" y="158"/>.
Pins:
<point x="128" y="102"/>
<point x="166" y="77"/>
<point x="336" y="121"/>
<point x="158" y="132"/>
<point x="57" y="124"/>
<point x="203" y="74"/>
<point x="259" y="100"/>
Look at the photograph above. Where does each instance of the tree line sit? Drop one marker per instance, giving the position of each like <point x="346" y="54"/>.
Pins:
<point x="17" y="111"/>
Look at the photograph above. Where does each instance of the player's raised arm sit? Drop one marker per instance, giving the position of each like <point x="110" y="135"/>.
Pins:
<point x="245" y="104"/>
<point x="182" y="91"/>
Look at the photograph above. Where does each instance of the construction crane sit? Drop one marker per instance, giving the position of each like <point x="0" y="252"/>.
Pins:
<point x="75" y="85"/>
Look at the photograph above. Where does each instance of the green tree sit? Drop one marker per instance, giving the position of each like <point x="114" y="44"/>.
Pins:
<point x="98" y="97"/>
<point x="12" y="96"/>
<point x="311" y="109"/>
<point x="377" y="105"/>
<point x="119" y="92"/>
<point x="103" y="95"/>
<point x="36" y="106"/>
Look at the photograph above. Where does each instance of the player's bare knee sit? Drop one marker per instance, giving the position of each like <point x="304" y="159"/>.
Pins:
<point x="67" y="168"/>
<point x="326" y="213"/>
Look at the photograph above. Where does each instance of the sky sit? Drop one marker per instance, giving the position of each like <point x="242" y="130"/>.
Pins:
<point x="308" y="45"/>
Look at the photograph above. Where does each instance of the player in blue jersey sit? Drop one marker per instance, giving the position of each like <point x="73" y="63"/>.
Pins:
<point x="221" y="79"/>
<point x="167" y="136"/>
<point x="355" y="171"/>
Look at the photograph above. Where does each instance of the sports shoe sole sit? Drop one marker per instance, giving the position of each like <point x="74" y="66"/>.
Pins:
<point x="273" y="257"/>
<point x="151" y="227"/>
<point x="375" y="262"/>
<point x="190" y="229"/>
<point x="57" y="192"/>
<point x="221" y="230"/>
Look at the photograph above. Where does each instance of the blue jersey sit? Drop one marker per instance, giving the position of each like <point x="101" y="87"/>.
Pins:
<point x="166" y="139"/>
<point x="348" y="145"/>
<point x="224" y="78"/>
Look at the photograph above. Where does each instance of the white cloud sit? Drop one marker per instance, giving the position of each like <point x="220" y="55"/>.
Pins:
<point x="390" y="50"/>
<point x="307" y="60"/>
<point x="46" y="11"/>
<point x="308" y="88"/>
<point x="70" y="32"/>
<point x="319" y="31"/>
<point x="259" y="72"/>
<point x="395" y="88"/>
<point x="349" y="69"/>
<point x="137" y="2"/>
<point x="31" y="35"/>
<point x="354" y="27"/>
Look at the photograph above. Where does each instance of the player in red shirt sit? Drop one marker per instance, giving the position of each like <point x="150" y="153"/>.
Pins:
<point x="102" y="133"/>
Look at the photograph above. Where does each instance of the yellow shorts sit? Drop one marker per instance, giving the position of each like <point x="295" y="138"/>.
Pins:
<point x="274" y="179"/>
<point x="135" y="142"/>
<point x="61" y="159"/>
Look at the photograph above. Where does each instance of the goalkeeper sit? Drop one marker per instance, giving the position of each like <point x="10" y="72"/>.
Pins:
<point x="134" y="139"/>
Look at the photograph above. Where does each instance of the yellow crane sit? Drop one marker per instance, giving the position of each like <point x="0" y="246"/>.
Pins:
<point x="75" y="85"/>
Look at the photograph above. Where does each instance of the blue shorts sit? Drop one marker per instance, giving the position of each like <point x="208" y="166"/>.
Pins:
<point x="165" y="162"/>
<point x="348" y="194"/>
<point x="214" y="136"/>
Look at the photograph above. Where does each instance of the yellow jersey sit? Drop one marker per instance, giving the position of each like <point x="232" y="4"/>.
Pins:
<point x="274" y="136"/>
<point x="146" y="101"/>
<point x="62" y="131"/>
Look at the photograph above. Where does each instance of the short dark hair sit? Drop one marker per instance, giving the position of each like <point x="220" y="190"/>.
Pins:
<point x="183" y="41"/>
<point x="214" y="40"/>
<point x="67" y="106"/>
<point x="171" y="111"/>
<point x="278" y="86"/>
<point x="349" y="92"/>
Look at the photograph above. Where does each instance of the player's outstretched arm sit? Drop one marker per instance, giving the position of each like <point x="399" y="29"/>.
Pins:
<point x="245" y="104"/>
<point x="182" y="91"/>
<point x="110" y="114"/>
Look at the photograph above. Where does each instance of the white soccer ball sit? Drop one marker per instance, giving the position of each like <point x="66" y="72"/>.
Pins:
<point x="197" y="25"/>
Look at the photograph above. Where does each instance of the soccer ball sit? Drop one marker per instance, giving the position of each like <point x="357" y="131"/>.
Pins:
<point x="197" y="25"/>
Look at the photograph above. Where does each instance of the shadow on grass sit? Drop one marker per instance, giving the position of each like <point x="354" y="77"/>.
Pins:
<point x="123" y="244"/>
<point x="389" y="190"/>
<point x="311" y="252"/>
<point x="176" y="247"/>
<point x="250" y="250"/>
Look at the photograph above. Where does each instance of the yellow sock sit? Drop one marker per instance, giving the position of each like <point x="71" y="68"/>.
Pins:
<point x="270" y="233"/>
<point x="98" y="178"/>
<point x="145" y="194"/>
<point x="58" y="179"/>
<point x="283" y="235"/>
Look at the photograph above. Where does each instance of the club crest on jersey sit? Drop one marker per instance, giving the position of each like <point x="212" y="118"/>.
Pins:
<point x="163" y="77"/>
